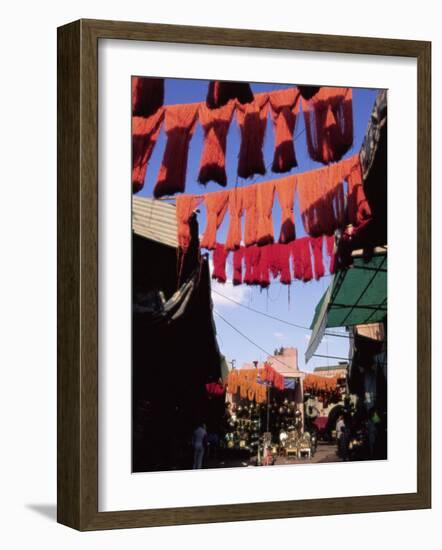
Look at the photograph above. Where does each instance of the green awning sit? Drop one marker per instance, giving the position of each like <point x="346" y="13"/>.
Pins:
<point x="356" y="296"/>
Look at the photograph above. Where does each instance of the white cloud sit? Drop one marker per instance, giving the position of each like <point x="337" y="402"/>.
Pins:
<point x="222" y="295"/>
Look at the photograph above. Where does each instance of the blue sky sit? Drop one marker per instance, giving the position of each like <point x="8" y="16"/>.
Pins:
<point x="296" y="304"/>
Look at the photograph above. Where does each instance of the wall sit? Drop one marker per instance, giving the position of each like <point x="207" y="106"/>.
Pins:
<point x="28" y="253"/>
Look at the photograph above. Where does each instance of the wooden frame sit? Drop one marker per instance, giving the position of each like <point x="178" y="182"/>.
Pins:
<point x="78" y="274"/>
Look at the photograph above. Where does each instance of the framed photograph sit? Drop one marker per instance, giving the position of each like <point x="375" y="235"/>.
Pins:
<point x="243" y="275"/>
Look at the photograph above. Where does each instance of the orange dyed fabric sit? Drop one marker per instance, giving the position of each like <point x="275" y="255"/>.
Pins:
<point x="316" y="382"/>
<point x="185" y="206"/>
<point x="321" y="200"/>
<point x="285" y="189"/>
<point x="265" y="193"/>
<point x="216" y="123"/>
<point x="284" y="106"/>
<point x="251" y="216"/>
<point x="358" y="207"/>
<point x="147" y="95"/>
<point x="236" y="208"/>
<point x="216" y="208"/>
<point x="252" y="122"/>
<point x="180" y="122"/>
<point x="145" y="131"/>
<point x="328" y="119"/>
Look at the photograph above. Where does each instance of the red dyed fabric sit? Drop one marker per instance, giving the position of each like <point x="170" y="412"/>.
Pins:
<point x="180" y="122"/>
<point x="220" y="93"/>
<point x="265" y="193"/>
<point x="285" y="189"/>
<point x="219" y="263"/>
<point x="185" y="206"/>
<point x="147" y="95"/>
<point x="317" y="245"/>
<point x="238" y="256"/>
<point x="215" y="388"/>
<point x="284" y="106"/>
<point x="216" y="123"/>
<point x="216" y="208"/>
<point x="251" y="216"/>
<point x="328" y="119"/>
<point x="358" y="207"/>
<point x="302" y="263"/>
<point x="233" y="240"/>
<point x="252" y="122"/>
<point x="145" y="131"/>
<point x="279" y="262"/>
<point x="252" y="255"/>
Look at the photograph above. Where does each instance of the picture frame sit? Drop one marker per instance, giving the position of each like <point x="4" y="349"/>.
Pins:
<point x="78" y="296"/>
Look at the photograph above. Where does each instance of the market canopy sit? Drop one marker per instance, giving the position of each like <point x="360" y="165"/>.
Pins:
<point x="356" y="296"/>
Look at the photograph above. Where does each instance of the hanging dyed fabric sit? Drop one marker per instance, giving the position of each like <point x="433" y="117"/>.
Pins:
<point x="252" y="122"/>
<point x="147" y="95"/>
<point x="317" y="245"/>
<point x="216" y="123"/>
<point x="233" y="240"/>
<point x="220" y="93"/>
<point x="307" y="92"/>
<point x="285" y="189"/>
<point x="251" y="216"/>
<point x="265" y="193"/>
<point x="219" y="263"/>
<point x="252" y="256"/>
<point x="265" y="261"/>
<point x="185" y="206"/>
<point x="238" y="256"/>
<point x="321" y="200"/>
<point x="145" y="131"/>
<point x="180" y="122"/>
<point x="279" y="262"/>
<point x="358" y="207"/>
<point x="216" y="208"/>
<point x="328" y="119"/>
<point x="284" y="106"/>
<point x="302" y="263"/>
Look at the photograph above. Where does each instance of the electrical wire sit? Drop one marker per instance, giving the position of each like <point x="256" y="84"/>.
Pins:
<point x="251" y="341"/>
<point x="277" y="318"/>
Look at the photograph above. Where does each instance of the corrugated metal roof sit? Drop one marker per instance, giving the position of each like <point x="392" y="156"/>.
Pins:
<point x="154" y="220"/>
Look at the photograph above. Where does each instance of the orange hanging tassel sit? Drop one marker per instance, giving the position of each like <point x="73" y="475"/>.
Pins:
<point x="180" y="122"/>
<point x="285" y="189"/>
<point x="284" y="105"/>
<point x="216" y="123"/>
<point x="358" y="207"/>
<point x="233" y="240"/>
<point x="147" y="95"/>
<point x="185" y="207"/>
<point x="251" y="217"/>
<point x="145" y="131"/>
<point x="252" y="122"/>
<point x="221" y="92"/>
<point x="328" y="119"/>
<point x="265" y="193"/>
<point x="321" y="200"/>
<point x="219" y="263"/>
<point x="216" y="208"/>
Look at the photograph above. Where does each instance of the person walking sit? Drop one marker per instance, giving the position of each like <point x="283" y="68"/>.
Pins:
<point x="199" y="442"/>
<point x="341" y="437"/>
